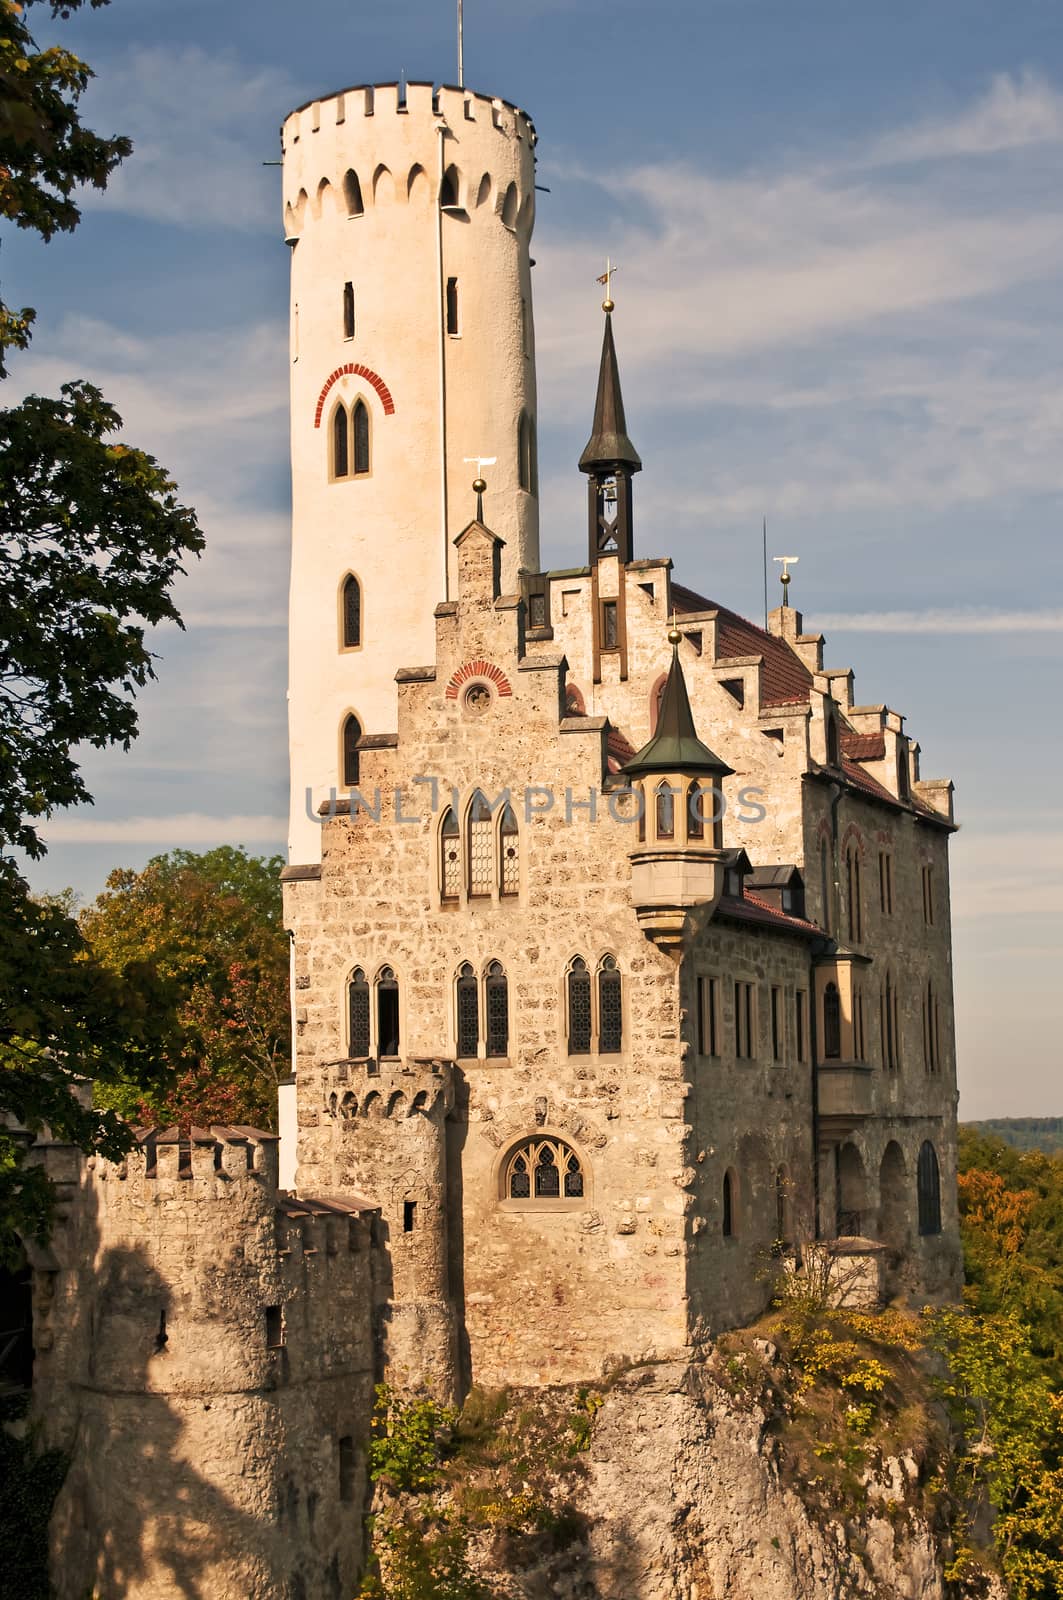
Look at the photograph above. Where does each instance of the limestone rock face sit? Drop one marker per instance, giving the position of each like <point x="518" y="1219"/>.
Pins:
<point x="684" y="1500"/>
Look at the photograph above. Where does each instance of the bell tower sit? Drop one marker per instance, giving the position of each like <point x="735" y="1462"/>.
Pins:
<point x="610" y="461"/>
<point x="408" y="211"/>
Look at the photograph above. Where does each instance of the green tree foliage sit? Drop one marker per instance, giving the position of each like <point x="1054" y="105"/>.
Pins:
<point x="405" y="1440"/>
<point x="91" y="538"/>
<point x="1025" y="1133"/>
<point x="210" y="928"/>
<point x="45" y="151"/>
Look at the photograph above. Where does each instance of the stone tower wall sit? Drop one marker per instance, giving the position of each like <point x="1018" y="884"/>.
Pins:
<point x="387" y="527"/>
<point x="204" y="1354"/>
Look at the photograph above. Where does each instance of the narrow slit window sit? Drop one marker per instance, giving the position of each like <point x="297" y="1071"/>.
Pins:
<point x="341" y="460"/>
<point x="708" y="1017"/>
<point x="453" y="317"/>
<point x="409" y="1216"/>
<point x="274" y="1328"/>
<point x="610" y="1008"/>
<point x="610" y="625"/>
<point x="352" y="732"/>
<point x="745" y="1021"/>
<point x="579" y="1008"/>
<point x="800" y="1025"/>
<point x="348" y="310"/>
<point x="728" y="1206"/>
<point x="526" y="453"/>
<point x="695" y="814"/>
<point x="776" y="1024"/>
<point x="832" y="1022"/>
<point x="360" y="428"/>
<point x="358" y="1011"/>
<point x="387" y="1013"/>
<point x="348" y="1468"/>
<point x="664" y="802"/>
<point x="496" y="989"/>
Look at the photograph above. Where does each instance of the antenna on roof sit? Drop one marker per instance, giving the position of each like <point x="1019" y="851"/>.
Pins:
<point x="461" y="44"/>
<point x="764" y="553"/>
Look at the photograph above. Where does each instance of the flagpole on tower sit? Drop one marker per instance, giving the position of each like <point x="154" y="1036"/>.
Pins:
<point x="461" y="44"/>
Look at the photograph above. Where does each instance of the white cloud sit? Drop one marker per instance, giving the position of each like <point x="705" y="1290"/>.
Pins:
<point x="1014" y="112"/>
<point x="186" y="827"/>
<point x="969" y="619"/>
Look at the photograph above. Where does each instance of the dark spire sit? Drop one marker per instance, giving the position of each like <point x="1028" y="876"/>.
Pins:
<point x="609" y="446"/>
<point x="675" y="747"/>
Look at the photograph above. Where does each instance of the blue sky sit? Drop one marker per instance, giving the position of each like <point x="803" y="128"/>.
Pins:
<point x="841" y="236"/>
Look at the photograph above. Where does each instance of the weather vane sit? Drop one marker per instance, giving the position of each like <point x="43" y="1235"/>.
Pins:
<point x="786" y="562"/>
<point x="479" y="483"/>
<point x="608" y="304"/>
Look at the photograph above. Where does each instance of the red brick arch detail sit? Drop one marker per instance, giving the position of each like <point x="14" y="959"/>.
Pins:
<point x="478" y="669"/>
<point x="359" y="372"/>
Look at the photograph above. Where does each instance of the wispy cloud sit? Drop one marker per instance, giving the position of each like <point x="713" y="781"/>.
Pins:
<point x="1015" y="112"/>
<point x="968" y="619"/>
<point x="186" y="827"/>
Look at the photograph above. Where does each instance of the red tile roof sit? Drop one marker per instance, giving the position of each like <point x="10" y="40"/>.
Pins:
<point x="751" y="908"/>
<point x="864" y="746"/>
<point x="786" y="680"/>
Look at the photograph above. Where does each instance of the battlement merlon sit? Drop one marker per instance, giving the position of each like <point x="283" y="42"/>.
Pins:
<point x="414" y="100"/>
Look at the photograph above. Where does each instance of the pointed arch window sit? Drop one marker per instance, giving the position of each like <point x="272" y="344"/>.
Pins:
<point x="387" y="1012"/>
<point x="448" y="190"/>
<point x="352" y="612"/>
<point x="341" y="456"/>
<point x="579" y="1008"/>
<point x="546" y="1170"/>
<point x="610" y="1007"/>
<point x="352" y="193"/>
<point x="358" y="1015"/>
<point x="481" y="847"/>
<point x="352" y="732"/>
<point x="928" y="1188"/>
<point x="833" y="750"/>
<point x="526" y="463"/>
<point x="509" y="845"/>
<point x="468" y="1013"/>
<point x="496" y="989"/>
<point x="832" y="1022"/>
<point x="360" y="430"/>
<point x="664" y="804"/>
<point x="450" y="857"/>
<point x="695" y="814"/>
<point x="856" y="918"/>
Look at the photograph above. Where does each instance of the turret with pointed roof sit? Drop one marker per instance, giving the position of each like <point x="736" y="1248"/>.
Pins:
<point x="610" y="461"/>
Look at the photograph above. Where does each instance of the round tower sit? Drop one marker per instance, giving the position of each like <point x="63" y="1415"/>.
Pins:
<point x="409" y="214"/>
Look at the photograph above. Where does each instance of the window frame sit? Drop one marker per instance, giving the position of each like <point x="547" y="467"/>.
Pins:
<point x="709" y="1031"/>
<point x="533" y="1144"/>
<point x="746" y="1032"/>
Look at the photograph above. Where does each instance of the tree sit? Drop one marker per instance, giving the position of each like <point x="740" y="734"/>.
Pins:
<point x="45" y="152"/>
<point x="91" y="539"/>
<point x="210" y="926"/>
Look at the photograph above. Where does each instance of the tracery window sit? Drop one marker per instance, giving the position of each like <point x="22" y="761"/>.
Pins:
<point x="695" y="814"/>
<point x="468" y="998"/>
<point x="579" y="1008"/>
<point x="352" y="612"/>
<point x="358" y="1014"/>
<point x="496" y="996"/>
<point x="832" y="1022"/>
<point x="928" y="1189"/>
<point x="481" y="846"/>
<point x="610" y="1007"/>
<point x="509" y="845"/>
<point x="360" y="429"/>
<point x="450" y="857"/>
<point x="544" y="1169"/>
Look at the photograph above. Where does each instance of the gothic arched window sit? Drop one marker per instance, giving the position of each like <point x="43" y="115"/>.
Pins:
<point x="387" y="1012"/>
<point x="448" y="189"/>
<point x="544" y="1169"/>
<point x="468" y="999"/>
<point x="695" y="813"/>
<point x="496" y="994"/>
<point x="450" y="857"/>
<point x="832" y="1022"/>
<point x="856" y="920"/>
<point x="352" y="612"/>
<point x="352" y="732"/>
<point x="509" y="845"/>
<point x="579" y="1008"/>
<point x="341" y="458"/>
<point x="928" y="1185"/>
<point x="360" y="429"/>
<point x="664" y="802"/>
<point x="352" y="193"/>
<point x="833" y="750"/>
<point x="481" y="846"/>
<point x="358" y="1015"/>
<point x="610" y="1007"/>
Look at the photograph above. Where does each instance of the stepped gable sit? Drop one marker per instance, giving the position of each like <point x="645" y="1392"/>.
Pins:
<point x="787" y="681"/>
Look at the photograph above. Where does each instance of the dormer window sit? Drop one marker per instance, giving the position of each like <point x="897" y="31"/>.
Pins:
<point x="733" y="883"/>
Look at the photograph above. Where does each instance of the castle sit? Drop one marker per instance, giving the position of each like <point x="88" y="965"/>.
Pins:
<point x="621" y="955"/>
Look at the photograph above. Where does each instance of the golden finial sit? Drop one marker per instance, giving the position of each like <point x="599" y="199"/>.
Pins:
<point x="479" y="483"/>
<point x="675" y="638"/>
<point x="608" y="304"/>
<point x="786" y="562"/>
